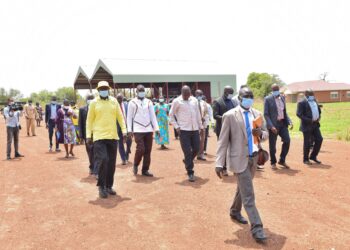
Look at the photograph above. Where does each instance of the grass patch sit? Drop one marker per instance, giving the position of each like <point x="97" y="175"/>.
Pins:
<point x="335" y="120"/>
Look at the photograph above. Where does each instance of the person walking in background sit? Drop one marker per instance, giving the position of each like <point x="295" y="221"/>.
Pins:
<point x="38" y="114"/>
<point x="65" y="129"/>
<point x="122" y="152"/>
<point x="29" y="112"/>
<point x="277" y="119"/>
<point x="220" y="107"/>
<point x="203" y="109"/>
<point x="309" y="113"/>
<point x="51" y="110"/>
<point x="208" y="121"/>
<point x="238" y="141"/>
<point x="13" y="126"/>
<point x="75" y="120"/>
<point x="101" y="130"/>
<point x="83" y="111"/>
<point x="141" y="122"/>
<point x="186" y="118"/>
<point x="162" y="112"/>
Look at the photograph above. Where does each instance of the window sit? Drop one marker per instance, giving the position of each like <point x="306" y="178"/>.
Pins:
<point x="348" y="94"/>
<point x="334" y="95"/>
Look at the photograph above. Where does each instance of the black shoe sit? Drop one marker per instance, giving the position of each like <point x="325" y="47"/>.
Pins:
<point x="308" y="163"/>
<point x="224" y="172"/>
<point x="239" y="218"/>
<point x="260" y="237"/>
<point x="147" y="173"/>
<point x="102" y="192"/>
<point x="315" y="160"/>
<point x="135" y="170"/>
<point x="18" y="155"/>
<point x="283" y="164"/>
<point x="191" y="177"/>
<point x="111" y="191"/>
<point x="201" y="159"/>
<point x="8" y="158"/>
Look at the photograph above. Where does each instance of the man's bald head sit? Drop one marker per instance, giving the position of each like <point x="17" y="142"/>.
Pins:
<point x="275" y="87"/>
<point x="120" y="97"/>
<point x="246" y="93"/>
<point x="309" y="92"/>
<point x="186" y="92"/>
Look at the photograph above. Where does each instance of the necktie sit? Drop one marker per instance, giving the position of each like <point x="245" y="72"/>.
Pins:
<point x="249" y="133"/>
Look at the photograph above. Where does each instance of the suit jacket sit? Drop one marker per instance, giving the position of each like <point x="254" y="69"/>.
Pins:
<point x="305" y="114"/>
<point x="83" y="111"/>
<point x="48" y="111"/>
<point x="271" y="113"/>
<point x="233" y="140"/>
<point x="219" y="109"/>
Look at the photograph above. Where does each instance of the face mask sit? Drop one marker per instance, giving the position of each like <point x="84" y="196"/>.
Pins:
<point x="54" y="102"/>
<point x="141" y="94"/>
<point x="66" y="107"/>
<point x="11" y="103"/>
<point x="229" y="96"/>
<point x="30" y="103"/>
<point x="311" y="98"/>
<point x="247" y="102"/>
<point x="161" y="100"/>
<point x="103" y="93"/>
<point x="276" y="93"/>
<point x="200" y="98"/>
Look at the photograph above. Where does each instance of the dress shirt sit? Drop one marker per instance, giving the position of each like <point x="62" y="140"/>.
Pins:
<point x="185" y="114"/>
<point x="209" y="118"/>
<point x="53" y="111"/>
<point x="29" y="111"/>
<point x="204" y="113"/>
<point x="11" y="121"/>
<point x="102" y="119"/>
<point x="229" y="103"/>
<point x="280" y="108"/>
<point x="141" y="117"/>
<point x="251" y="119"/>
<point x="314" y="110"/>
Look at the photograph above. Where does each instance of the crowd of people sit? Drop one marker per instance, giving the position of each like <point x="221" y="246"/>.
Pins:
<point x="106" y="124"/>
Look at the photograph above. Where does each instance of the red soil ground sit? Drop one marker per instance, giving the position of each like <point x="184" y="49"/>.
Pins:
<point x="49" y="202"/>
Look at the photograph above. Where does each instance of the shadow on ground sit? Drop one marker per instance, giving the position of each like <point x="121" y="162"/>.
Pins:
<point x="110" y="202"/>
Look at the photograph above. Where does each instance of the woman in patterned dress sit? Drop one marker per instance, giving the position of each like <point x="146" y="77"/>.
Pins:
<point x="162" y="112"/>
<point x="65" y="129"/>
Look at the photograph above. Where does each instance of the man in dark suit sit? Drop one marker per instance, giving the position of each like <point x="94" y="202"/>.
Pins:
<point x="309" y="113"/>
<point x="277" y="121"/>
<point x="83" y="111"/>
<point x="50" y="120"/>
<point x="220" y="107"/>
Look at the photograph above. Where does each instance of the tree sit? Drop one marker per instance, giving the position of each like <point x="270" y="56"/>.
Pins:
<point x="67" y="93"/>
<point x="260" y="83"/>
<point x="14" y="93"/>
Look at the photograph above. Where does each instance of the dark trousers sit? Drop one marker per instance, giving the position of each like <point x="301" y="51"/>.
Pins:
<point x="124" y="152"/>
<point x="206" y="138"/>
<point x="144" y="143"/>
<point x="284" y="134"/>
<point x="189" y="141"/>
<point x="105" y="156"/>
<point x="90" y="153"/>
<point x="51" y="124"/>
<point x="318" y="139"/>
<point x="12" y="133"/>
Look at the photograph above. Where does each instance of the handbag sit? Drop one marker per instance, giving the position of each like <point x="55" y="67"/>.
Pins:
<point x="263" y="155"/>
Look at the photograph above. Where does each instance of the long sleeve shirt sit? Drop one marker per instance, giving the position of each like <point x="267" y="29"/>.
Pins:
<point x="141" y="117"/>
<point x="101" y="122"/>
<point x="185" y="114"/>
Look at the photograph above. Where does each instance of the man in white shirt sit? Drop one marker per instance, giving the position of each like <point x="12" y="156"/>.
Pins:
<point x="141" y="123"/>
<point x="203" y="109"/>
<point x="208" y="120"/>
<point x="186" y="118"/>
<point x="238" y="147"/>
<point x="12" y="127"/>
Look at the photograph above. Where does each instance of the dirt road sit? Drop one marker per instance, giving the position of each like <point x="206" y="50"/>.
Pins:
<point x="49" y="202"/>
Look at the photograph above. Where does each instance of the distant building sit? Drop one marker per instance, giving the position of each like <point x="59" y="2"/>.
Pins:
<point x="161" y="77"/>
<point x="324" y="91"/>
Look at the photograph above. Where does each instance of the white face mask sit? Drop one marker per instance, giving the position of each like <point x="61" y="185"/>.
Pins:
<point x="141" y="94"/>
<point x="229" y="96"/>
<point x="161" y="100"/>
<point x="11" y="103"/>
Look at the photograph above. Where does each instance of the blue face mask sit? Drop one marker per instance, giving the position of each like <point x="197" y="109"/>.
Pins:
<point x="103" y="93"/>
<point x="199" y="98"/>
<point x="247" y="103"/>
<point x="311" y="98"/>
<point x="141" y="94"/>
<point x="229" y="96"/>
<point x="276" y="93"/>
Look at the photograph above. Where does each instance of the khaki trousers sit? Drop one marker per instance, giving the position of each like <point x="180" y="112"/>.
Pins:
<point x="30" y="125"/>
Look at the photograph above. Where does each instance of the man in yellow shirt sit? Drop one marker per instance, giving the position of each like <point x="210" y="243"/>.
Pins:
<point x="30" y="113"/>
<point x="101" y="130"/>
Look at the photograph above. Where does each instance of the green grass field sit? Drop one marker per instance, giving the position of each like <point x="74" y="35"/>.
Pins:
<point x="335" y="120"/>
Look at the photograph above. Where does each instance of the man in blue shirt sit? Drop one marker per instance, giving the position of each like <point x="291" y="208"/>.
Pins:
<point x="310" y="114"/>
<point x="50" y="119"/>
<point x="12" y="127"/>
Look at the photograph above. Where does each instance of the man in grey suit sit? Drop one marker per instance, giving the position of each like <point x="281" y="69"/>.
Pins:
<point x="277" y="121"/>
<point x="237" y="146"/>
